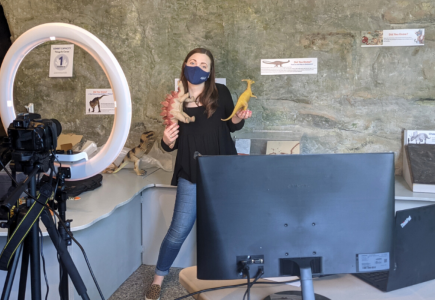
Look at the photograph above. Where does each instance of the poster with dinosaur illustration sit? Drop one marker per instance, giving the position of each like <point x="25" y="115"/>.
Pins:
<point x="392" y="38"/>
<point x="286" y="66"/>
<point x="100" y="102"/>
<point x="419" y="137"/>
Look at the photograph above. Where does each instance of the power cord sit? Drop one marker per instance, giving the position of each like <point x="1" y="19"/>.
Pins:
<point x="260" y="273"/>
<point x="230" y="287"/>
<point x="66" y="228"/>
<point x="245" y="271"/>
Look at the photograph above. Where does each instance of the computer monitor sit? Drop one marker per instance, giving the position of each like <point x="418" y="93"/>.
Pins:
<point x="331" y="212"/>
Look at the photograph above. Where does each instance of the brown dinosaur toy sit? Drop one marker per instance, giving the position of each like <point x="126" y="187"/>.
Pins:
<point x="147" y="140"/>
<point x="172" y="110"/>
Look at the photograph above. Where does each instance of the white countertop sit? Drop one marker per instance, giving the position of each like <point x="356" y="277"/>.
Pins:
<point x="120" y="188"/>
<point x="116" y="190"/>
<point x="403" y="192"/>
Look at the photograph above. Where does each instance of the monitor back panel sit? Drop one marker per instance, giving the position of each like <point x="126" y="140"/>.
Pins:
<point x="332" y="206"/>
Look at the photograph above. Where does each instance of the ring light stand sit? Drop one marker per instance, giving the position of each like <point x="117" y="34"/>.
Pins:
<point x="79" y="170"/>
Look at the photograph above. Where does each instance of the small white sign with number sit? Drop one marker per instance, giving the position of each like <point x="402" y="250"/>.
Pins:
<point x="61" y="60"/>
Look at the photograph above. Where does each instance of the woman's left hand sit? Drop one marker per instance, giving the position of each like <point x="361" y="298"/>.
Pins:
<point x="241" y="115"/>
<point x="244" y="114"/>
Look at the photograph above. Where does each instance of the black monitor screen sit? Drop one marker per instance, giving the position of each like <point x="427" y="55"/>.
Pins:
<point x="337" y="209"/>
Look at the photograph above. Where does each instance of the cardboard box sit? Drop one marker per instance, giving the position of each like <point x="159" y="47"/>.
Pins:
<point x="68" y="141"/>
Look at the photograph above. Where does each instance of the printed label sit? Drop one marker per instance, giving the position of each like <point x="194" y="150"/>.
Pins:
<point x="373" y="262"/>
<point x="395" y="37"/>
<point x="419" y="137"/>
<point x="284" y="66"/>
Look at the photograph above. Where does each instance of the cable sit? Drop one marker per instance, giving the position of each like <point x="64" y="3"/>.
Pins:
<point x="260" y="273"/>
<point x="43" y="264"/>
<point x="230" y="287"/>
<point x="248" y="289"/>
<point x="67" y="230"/>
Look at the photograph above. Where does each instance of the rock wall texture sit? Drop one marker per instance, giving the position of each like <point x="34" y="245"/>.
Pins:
<point x="360" y="100"/>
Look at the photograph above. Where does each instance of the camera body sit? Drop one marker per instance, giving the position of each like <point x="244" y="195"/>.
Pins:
<point x="30" y="133"/>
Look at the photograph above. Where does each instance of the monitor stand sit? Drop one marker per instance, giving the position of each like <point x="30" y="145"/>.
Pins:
<point x="307" y="289"/>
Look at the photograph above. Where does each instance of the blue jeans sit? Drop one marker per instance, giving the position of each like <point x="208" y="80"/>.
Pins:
<point x="181" y="225"/>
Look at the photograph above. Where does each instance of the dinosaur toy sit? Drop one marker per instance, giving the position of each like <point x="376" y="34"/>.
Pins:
<point x="172" y="110"/>
<point x="276" y="63"/>
<point x="242" y="102"/>
<point x="147" y="140"/>
<point x="94" y="102"/>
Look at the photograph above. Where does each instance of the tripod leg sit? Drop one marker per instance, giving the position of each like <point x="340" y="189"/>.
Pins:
<point x="66" y="259"/>
<point x="35" y="250"/>
<point x="11" y="274"/>
<point x="24" y="270"/>
<point x="63" y="282"/>
<point x="63" y="278"/>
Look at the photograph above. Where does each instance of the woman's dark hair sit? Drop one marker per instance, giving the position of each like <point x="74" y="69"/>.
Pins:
<point x="209" y="96"/>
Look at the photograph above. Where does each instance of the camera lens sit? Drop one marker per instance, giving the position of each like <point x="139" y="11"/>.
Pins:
<point x="58" y="126"/>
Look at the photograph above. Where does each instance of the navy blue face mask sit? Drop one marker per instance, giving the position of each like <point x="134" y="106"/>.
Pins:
<point x="195" y="75"/>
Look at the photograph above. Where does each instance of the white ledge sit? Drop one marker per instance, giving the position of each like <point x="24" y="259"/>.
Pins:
<point x="116" y="191"/>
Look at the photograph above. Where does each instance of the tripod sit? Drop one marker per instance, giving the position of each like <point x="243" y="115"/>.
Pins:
<point x="29" y="249"/>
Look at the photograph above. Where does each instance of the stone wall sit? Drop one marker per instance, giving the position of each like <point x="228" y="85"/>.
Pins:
<point x="360" y="100"/>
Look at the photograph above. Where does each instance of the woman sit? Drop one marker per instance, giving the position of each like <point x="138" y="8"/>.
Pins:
<point x="208" y="135"/>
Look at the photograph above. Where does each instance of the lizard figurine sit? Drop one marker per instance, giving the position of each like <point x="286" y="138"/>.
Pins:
<point x="147" y="140"/>
<point x="172" y="110"/>
<point x="242" y="102"/>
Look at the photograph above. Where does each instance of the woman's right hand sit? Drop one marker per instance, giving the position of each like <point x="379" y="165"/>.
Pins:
<point x="170" y="134"/>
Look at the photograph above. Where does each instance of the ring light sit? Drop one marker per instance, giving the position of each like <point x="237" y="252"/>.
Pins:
<point x="121" y="93"/>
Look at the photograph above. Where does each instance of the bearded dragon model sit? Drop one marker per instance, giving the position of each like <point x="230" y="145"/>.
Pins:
<point x="242" y="102"/>
<point x="146" y="143"/>
<point x="172" y="110"/>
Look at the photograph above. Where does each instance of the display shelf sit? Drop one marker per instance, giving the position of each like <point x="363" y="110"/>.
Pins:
<point x="403" y="192"/>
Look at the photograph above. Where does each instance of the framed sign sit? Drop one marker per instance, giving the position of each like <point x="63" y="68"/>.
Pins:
<point x="61" y="60"/>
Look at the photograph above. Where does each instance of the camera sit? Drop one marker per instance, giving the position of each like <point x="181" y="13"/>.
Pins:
<point x="28" y="132"/>
<point x="32" y="140"/>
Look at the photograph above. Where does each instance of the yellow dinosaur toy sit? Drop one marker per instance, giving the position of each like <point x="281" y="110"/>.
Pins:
<point x="242" y="102"/>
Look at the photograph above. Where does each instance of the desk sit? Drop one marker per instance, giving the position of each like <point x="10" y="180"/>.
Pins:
<point x="335" y="287"/>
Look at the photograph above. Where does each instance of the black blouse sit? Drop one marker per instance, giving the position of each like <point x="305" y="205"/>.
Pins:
<point x="208" y="136"/>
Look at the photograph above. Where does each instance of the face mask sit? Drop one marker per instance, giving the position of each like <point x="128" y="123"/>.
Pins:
<point x="195" y="75"/>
